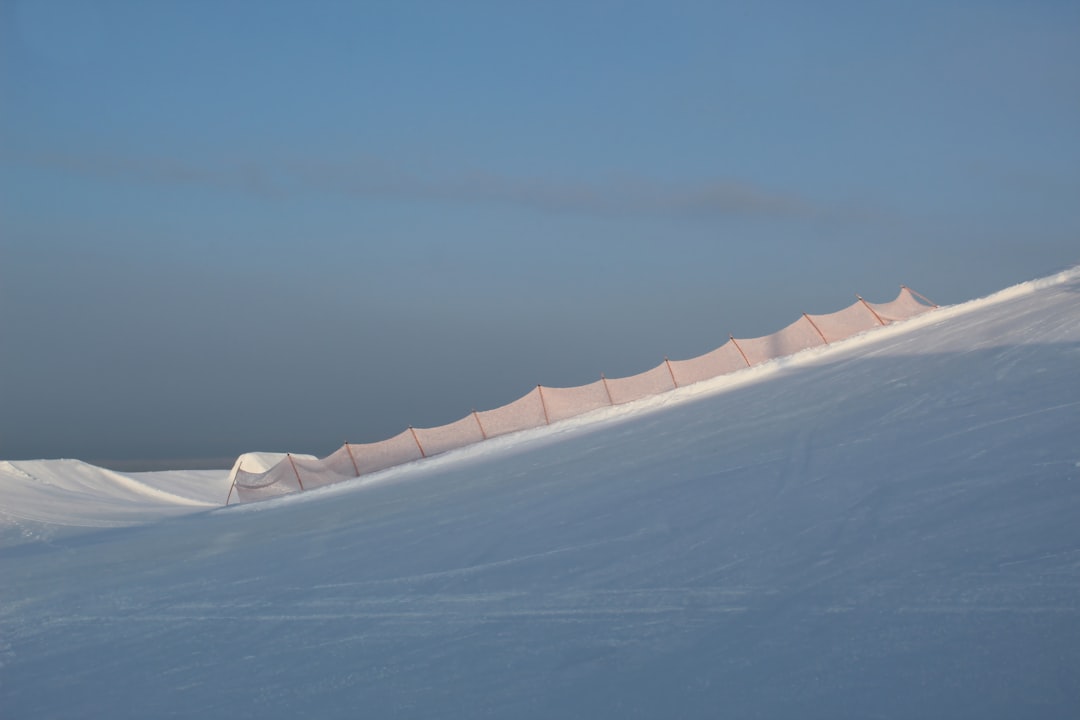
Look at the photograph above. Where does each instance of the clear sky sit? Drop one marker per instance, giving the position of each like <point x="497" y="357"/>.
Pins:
<point x="237" y="226"/>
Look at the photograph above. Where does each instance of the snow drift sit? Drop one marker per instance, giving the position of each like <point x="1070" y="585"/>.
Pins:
<point x="42" y="499"/>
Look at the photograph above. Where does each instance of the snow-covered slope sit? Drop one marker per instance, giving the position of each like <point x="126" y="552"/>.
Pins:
<point x="884" y="528"/>
<point x="47" y="499"/>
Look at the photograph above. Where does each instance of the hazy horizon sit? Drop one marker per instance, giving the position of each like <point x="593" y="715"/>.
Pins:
<point x="229" y="228"/>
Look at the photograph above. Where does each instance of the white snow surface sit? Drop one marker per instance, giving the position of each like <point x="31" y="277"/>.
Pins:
<point x="885" y="527"/>
<point x="47" y="499"/>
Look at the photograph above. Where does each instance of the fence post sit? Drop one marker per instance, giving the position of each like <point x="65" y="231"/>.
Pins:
<point x="671" y="372"/>
<point x="872" y="311"/>
<point x="922" y="297"/>
<point x="229" y="497"/>
<point x="540" y="389"/>
<point x="479" y="424"/>
<point x="354" y="465"/>
<point x="814" y="324"/>
<point x="606" y="389"/>
<point x="413" y="431"/>
<point x="295" y="471"/>
<point x="736" y="343"/>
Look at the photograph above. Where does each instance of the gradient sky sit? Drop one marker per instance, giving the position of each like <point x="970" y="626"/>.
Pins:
<point x="237" y="226"/>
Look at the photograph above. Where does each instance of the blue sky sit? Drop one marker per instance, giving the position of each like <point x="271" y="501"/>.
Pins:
<point x="243" y="226"/>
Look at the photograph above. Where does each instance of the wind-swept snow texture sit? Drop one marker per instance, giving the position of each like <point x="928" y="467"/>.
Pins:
<point x="884" y="528"/>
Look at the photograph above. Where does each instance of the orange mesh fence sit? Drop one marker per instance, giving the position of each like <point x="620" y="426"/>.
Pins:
<point x="459" y="433"/>
<point x="852" y="320"/>
<point x="317" y="473"/>
<point x="564" y="403"/>
<point x="544" y="405"/>
<point x="902" y="308"/>
<point x="721" y="361"/>
<point x="524" y="413"/>
<point x="398" y="450"/>
<point x="341" y="461"/>
<point x="635" y="387"/>
<point x="797" y="336"/>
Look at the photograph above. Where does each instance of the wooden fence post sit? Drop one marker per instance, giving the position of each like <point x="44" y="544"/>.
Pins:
<point x="295" y="471"/>
<point x="354" y="465"/>
<point x="922" y="297"/>
<point x="479" y="424"/>
<point x="872" y="311"/>
<point x="671" y="372"/>
<point x="814" y="324"/>
<point x="736" y="343"/>
<point x="229" y="497"/>
<point x="607" y="389"/>
<point x="540" y="389"/>
<point x="413" y="431"/>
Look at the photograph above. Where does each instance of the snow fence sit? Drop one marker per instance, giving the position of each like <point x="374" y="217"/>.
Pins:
<point x="545" y="405"/>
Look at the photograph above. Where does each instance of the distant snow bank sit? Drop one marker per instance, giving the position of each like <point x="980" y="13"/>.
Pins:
<point x="40" y="498"/>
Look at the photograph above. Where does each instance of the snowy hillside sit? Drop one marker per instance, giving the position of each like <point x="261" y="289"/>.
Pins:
<point x="46" y="499"/>
<point x="886" y="527"/>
